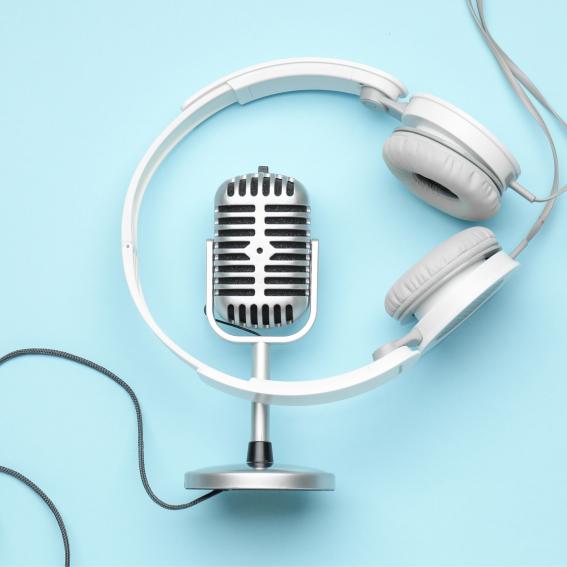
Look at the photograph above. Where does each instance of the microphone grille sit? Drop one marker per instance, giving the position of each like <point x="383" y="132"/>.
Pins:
<point x="262" y="250"/>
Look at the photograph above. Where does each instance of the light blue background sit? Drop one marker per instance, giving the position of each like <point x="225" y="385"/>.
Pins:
<point x="461" y="462"/>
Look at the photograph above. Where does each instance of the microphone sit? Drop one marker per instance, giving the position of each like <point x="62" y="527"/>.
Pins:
<point x="262" y="250"/>
<point x="261" y="273"/>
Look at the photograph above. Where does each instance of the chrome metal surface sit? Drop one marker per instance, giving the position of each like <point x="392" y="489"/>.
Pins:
<point x="242" y="477"/>
<point x="272" y="339"/>
<point x="262" y="250"/>
<point x="260" y="412"/>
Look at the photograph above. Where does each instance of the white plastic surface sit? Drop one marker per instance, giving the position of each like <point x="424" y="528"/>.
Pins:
<point x="452" y="304"/>
<point x="306" y="74"/>
<point x="319" y="391"/>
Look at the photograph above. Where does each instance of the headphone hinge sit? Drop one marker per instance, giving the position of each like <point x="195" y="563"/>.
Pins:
<point x="373" y="98"/>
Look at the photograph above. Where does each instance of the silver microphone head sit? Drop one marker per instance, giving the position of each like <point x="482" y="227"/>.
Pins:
<point x="262" y="250"/>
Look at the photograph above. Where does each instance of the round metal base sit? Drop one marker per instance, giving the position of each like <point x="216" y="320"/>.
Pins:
<point x="243" y="477"/>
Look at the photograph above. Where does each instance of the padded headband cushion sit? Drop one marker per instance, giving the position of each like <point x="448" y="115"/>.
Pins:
<point x="441" y="176"/>
<point x="442" y="263"/>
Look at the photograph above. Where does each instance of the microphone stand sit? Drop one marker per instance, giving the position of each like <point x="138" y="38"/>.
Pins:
<point x="259" y="472"/>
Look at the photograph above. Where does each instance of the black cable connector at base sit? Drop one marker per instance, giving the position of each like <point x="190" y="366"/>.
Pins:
<point x="260" y="454"/>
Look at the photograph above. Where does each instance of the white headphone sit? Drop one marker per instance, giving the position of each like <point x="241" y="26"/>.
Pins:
<point x="440" y="153"/>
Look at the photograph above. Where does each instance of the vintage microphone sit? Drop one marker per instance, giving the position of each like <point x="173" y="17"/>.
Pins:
<point x="261" y="274"/>
<point x="262" y="250"/>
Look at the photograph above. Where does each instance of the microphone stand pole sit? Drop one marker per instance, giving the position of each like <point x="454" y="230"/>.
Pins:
<point x="260" y="453"/>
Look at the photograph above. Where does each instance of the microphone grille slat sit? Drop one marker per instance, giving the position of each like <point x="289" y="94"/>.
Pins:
<point x="236" y="232"/>
<point x="285" y="292"/>
<point x="286" y="232"/>
<point x="289" y="314"/>
<point x="235" y="292"/>
<point x="286" y="209"/>
<point x="288" y="244"/>
<point x="236" y="208"/>
<point x="233" y="244"/>
<point x="291" y="257"/>
<point x="285" y="268"/>
<point x="262" y="250"/>
<point x="284" y="280"/>
<point x="232" y="256"/>
<point x="235" y="280"/>
<point x="254" y="315"/>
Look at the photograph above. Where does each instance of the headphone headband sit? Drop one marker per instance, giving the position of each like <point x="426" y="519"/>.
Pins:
<point x="305" y="74"/>
<point x="245" y="86"/>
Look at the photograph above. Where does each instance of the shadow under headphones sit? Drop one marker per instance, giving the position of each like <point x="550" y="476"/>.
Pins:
<point x="440" y="153"/>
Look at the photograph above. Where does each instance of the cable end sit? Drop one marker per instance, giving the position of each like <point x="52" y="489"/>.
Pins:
<point x="522" y="191"/>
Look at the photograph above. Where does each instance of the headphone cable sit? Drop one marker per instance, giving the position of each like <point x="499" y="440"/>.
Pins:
<point x="520" y="82"/>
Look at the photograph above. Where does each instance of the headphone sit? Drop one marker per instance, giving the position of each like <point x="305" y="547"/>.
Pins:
<point x="440" y="153"/>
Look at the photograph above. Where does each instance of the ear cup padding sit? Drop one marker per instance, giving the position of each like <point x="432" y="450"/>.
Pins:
<point x="442" y="263"/>
<point x="441" y="176"/>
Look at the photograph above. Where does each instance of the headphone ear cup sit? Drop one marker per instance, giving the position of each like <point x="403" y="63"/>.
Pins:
<point x="437" y="268"/>
<point x="441" y="176"/>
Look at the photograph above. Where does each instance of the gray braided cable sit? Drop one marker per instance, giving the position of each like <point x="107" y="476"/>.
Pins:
<point x="141" y="460"/>
<point x="518" y="81"/>
<point x="50" y="505"/>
